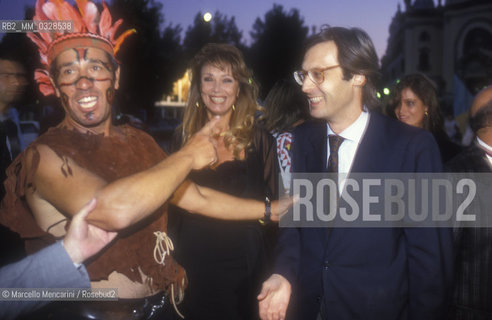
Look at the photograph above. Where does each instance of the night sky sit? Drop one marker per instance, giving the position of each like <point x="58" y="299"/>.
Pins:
<point x="374" y="16"/>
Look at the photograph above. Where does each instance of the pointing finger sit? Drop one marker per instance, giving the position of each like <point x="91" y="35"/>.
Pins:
<point x="209" y="126"/>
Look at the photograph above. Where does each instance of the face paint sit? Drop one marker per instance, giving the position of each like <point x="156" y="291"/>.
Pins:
<point x="86" y="87"/>
<point x="107" y="66"/>
<point x="80" y="53"/>
<point x="110" y="95"/>
<point x="83" y="77"/>
<point x="96" y="69"/>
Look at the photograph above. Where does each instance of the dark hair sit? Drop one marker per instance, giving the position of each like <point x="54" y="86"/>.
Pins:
<point x="482" y="118"/>
<point x="9" y="53"/>
<point x="285" y="105"/>
<point x="426" y="90"/>
<point x="10" y="57"/>
<point x="356" y="55"/>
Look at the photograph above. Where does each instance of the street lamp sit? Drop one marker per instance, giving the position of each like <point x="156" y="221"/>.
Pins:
<point x="207" y="17"/>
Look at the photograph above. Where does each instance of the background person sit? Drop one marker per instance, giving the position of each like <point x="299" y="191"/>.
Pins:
<point x="414" y="102"/>
<point x="286" y="107"/>
<point x="224" y="260"/>
<point x="13" y="82"/>
<point x="473" y="246"/>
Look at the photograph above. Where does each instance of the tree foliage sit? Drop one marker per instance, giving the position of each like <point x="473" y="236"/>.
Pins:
<point x="220" y="29"/>
<point x="277" y="46"/>
<point x="151" y="59"/>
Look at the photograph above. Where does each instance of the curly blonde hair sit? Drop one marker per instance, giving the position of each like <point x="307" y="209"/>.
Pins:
<point x="239" y="137"/>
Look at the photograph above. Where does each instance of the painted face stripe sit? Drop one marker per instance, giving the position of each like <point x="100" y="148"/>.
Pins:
<point x="108" y="66"/>
<point x="83" y="77"/>
<point x="81" y="53"/>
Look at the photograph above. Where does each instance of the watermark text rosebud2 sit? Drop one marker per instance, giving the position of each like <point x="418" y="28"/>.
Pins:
<point x="390" y="200"/>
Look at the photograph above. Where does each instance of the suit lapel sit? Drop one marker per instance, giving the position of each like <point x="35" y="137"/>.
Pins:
<point x="371" y="145"/>
<point x="323" y="152"/>
<point x="317" y="158"/>
<point x="309" y="149"/>
<point x="480" y="161"/>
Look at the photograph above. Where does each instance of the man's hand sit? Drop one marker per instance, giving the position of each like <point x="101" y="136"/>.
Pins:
<point x="84" y="240"/>
<point x="201" y="147"/>
<point x="274" y="298"/>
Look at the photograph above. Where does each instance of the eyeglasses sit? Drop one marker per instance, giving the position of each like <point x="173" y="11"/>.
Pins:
<point x="316" y="75"/>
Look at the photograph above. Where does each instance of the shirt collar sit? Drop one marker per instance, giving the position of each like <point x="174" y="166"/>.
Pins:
<point x="355" y="131"/>
<point x="484" y="146"/>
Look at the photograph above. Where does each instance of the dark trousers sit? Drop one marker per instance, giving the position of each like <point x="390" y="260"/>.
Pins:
<point x="157" y="307"/>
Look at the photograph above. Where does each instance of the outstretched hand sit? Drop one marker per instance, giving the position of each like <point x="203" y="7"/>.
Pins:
<point x="202" y="147"/>
<point x="83" y="240"/>
<point x="274" y="298"/>
<point x="281" y="206"/>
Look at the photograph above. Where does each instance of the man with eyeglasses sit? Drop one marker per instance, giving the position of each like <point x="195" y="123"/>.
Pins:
<point x="356" y="273"/>
<point x="13" y="82"/>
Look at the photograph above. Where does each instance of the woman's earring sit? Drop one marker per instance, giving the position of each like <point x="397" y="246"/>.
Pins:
<point x="233" y="108"/>
<point x="426" y="113"/>
<point x="197" y="104"/>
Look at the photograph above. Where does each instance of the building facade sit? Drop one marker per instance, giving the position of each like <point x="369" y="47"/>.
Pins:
<point x="451" y="42"/>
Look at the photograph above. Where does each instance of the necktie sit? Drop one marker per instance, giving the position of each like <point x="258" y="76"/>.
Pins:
<point x="335" y="142"/>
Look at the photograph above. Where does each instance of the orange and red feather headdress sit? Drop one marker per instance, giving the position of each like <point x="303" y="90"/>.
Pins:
<point x="90" y="29"/>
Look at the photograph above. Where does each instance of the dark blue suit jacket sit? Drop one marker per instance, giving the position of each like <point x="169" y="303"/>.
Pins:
<point x="368" y="273"/>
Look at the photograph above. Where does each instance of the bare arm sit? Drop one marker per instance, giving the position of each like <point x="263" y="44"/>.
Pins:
<point x="125" y="201"/>
<point x="208" y="202"/>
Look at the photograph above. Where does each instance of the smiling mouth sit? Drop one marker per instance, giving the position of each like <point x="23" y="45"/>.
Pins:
<point x="217" y="99"/>
<point x="87" y="102"/>
<point x="315" y="99"/>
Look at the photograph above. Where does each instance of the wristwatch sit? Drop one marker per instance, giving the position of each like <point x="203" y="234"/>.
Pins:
<point x="268" y="211"/>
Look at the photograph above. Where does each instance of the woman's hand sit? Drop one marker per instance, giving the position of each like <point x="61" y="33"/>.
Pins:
<point x="281" y="206"/>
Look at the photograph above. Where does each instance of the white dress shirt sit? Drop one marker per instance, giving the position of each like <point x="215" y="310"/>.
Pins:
<point x="352" y="136"/>
<point x="487" y="148"/>
<point x="346" y="153"/>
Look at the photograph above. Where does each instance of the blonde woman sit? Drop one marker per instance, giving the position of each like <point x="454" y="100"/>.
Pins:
<point x="225" y="261"/>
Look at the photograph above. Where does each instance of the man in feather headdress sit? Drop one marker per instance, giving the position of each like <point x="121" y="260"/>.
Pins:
<point x="86" y="156"/>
